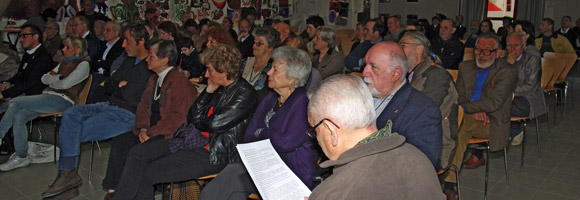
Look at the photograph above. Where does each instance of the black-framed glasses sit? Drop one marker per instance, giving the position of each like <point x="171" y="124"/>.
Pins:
<point x="24" y="35"/>
<point x="486" y="52"/>
<point x="312" y="130"/>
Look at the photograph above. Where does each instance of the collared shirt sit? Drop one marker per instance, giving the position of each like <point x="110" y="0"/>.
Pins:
<point x="244" y="38"/>
<point x="87" y="33"/>
<point x="382" y="133"/>
<point x="162" y="76"/>
<point x="381" y="103"/>
<point x="30" y="52"/>
<point x="109" y="47"/>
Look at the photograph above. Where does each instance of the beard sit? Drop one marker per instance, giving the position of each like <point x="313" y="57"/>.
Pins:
<point x="484" y="65"/>
<point x="373" y="89"/>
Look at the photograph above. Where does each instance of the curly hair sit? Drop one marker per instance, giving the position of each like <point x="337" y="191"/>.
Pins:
<point x="223" y="58"/>
<point x="221" y="35"/>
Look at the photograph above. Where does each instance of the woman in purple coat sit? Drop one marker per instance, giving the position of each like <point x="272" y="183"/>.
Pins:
<point x="280" y="117"/>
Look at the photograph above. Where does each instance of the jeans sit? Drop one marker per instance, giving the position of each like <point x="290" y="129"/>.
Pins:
<point x="24" y="109"/>
<point x="91" y="122"/>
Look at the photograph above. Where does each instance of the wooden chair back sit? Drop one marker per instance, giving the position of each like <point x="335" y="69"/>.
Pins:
<point x="344" y="39"/>
<point x="551" y="70"/>
<point x="85" y="92"/>
<point x="468" y="54"/>
<point x="453" y="73"/>
<point x="569" y="60"/>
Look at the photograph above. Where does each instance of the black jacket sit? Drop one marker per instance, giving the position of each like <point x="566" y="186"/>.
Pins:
<point x="113" y="54"/>
<point x="246" y="47"/>
<point x="233" y="107"/>
<point x="27" y="80"/>
<point x="450" y="51"/>
<point x="93" y="47"/>
<point x="137" y="77"/>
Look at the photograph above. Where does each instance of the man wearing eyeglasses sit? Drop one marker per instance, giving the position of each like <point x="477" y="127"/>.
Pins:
<point x="379" y="163"/>
<point x="485" y="86"/>
<point x="81" y="28"/>
<point x="35" y="63"/>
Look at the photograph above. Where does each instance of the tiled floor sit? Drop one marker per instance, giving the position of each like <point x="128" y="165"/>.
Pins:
<point x="555" y="176"/>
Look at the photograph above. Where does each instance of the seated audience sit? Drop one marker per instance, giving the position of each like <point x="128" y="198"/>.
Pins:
<point x="527" y="28"/>
<point x="567" y="31"/>
<point x="189" y="61"/>
<point x="227" y="24"/>
<point x="51" y="37"/>
<point x="65" y="82"/>
<point x="168" y="31"/>
<point x="99" y="29"/>
<point x="9" y="61"/>
<point x="81" y="28"/>
<point x="216" y="123"/>
<point x="296" y="41"/>
<point x="312" y="24"/>
<point x="448" y="47"/>
<point x="506" y="24"/>
<point x="245" y="39"/>
<point x="434" y="82"/>
<point x="283" y="29"/>
<point x="151" y="30"/>
<point x="281" y="117"/>
<point x="394" y="27"/>
<point x="528" y="97"/>
<point x="105" y="119"/>
<point x="190" y="27"/>
<point x="35" y="63"/>
<point x="112" y="49"/>
<point x="161" y="111"/>
<point x="379" y="161"/>
<point x="327" y="60"/>
<point x="360" y="36"/>
<point x="255" y="68"/>
<point x="460" y="30"/>
<point x="484" y="27"/>
<point x="549" y="41"/>
<point x="413" y="114"/>
<point x="354" y="60"/>
<point x="485" y="86"/>
<point x="219" y="35"/>
<point x="91" y="15"/>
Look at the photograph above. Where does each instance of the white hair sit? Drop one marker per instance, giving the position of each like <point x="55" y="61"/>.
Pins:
<point x="345" y="100"/>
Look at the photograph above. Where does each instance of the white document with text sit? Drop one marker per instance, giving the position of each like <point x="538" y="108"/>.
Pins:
<point x="272" y="177"/>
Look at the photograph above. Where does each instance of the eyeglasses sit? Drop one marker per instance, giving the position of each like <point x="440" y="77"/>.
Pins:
<point x="24" y="35"/>
<point x="403" y="44"/>
<point x="312" y="131"/>
<point x="486" y="52"/>
<point x="259" y="43"/>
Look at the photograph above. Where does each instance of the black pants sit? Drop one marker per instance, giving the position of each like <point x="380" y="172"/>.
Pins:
<point x="520" y="107"/>
<point x="151" y="163"/>
<point x="234" y="182"/>
<point x="120" y="146"/>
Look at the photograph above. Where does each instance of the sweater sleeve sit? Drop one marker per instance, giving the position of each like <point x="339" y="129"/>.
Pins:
<point x="80" y="73"/>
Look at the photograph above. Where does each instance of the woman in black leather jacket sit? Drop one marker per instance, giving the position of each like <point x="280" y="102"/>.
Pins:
<point x="216" y="123"/>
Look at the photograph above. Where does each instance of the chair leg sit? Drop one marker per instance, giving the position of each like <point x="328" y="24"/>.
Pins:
<point x="486" y="172"/>
<point x="457" y="180"/>
<point x="91" y="160"/>
<point x="54" y="120"/>
<point x="523" y="147"/>
<point x="538" y="136"/>
<point x="170" y="190"/>
<point x="505" y="162"/>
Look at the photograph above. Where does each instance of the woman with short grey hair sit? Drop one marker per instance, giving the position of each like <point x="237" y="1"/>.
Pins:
<point x="280" y="117"/>
<point x="327" y="59"/>
<point x="266" y="39"/>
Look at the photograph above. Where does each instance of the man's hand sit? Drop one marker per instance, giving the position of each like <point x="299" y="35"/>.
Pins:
<point x="482" y="117"/>
<point x="143" y="135"/>
<point x="211" y="86"/>
<point x="242" y="35"/>
<point x="512" y="57"/>
<point x="5" y="86"/>
<point x="122" y="83"/>
<point x="52" y="73"/>
<point x="58" y="56"/>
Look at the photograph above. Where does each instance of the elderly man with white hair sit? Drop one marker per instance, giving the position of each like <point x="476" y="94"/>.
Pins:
<point x="380" y="164"/>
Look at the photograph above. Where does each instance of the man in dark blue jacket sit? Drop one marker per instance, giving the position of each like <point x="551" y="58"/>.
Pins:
<point x="414" y="115"/>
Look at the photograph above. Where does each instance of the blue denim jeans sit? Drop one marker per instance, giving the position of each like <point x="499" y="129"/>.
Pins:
<point x="91" y="122"/>
<point x="24" y="109"/>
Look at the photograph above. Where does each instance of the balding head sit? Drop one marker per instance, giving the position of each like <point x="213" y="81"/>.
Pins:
<point x="385" y="68"/>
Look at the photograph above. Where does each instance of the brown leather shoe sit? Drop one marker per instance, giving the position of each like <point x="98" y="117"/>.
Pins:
<point x="451" y="194"/>
<point x="66" y="195"/>
<point x="473" y="162"/>
<point x="64" y="182"/>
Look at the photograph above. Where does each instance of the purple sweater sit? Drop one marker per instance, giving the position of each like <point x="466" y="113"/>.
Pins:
<point x="287" y="132"/>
